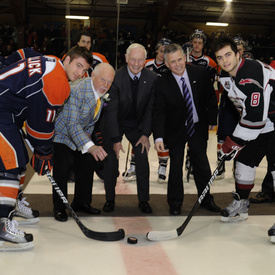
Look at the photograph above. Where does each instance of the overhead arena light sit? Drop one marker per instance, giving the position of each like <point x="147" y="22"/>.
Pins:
<point x="77" y="17"/>
<point x="218" y="24"/>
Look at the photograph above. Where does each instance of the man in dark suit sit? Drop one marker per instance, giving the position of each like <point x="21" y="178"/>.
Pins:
<point x="176" y="122"/>
<point x="129" y="112"/>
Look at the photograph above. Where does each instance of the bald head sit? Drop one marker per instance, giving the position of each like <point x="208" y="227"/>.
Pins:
<point x="103" y="77"/>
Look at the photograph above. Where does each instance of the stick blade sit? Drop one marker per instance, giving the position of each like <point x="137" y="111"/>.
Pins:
<point x="162" y="235"/>
<point x="105" y="236"/>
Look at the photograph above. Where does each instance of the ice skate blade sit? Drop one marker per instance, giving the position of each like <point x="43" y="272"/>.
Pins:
<point x="9" y="246"/>
<point x="238" y="218"/>
<point x="272" y="239"/>
<point x="23" y="221"/>
<point x="161" y="180"/>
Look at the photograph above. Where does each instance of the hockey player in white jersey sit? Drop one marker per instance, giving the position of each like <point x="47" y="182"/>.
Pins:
<point x="249" y="84"/>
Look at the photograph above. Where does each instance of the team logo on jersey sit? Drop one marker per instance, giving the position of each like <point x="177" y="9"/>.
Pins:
<point x="250" y="81"/>
<point x="227" y="85"/>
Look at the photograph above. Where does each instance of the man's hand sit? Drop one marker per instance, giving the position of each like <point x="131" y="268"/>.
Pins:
<point x="230" y="149"/>
<point x="117" y="147"/>
<point x="145" y="143"/>
<point x="42" y="159"/>
<point x="159" y="146"/>
<point x="97" y="152"/>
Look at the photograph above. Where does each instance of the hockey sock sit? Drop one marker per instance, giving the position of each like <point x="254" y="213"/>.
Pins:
<point x="5" y="210"/>
<point x="243" y="193"/>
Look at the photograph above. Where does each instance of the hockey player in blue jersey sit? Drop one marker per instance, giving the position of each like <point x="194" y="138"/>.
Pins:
<point x="31" y="91"/>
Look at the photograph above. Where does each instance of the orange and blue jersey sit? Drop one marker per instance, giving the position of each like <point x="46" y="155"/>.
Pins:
<point x="31" y="91"/>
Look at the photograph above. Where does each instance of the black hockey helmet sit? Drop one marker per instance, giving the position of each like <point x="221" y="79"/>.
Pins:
<point x="163" y="42"/>
<point x="198" y="34"/>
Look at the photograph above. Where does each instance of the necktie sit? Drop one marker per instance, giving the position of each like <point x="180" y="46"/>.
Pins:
<point x="97" y="107"/>
<point x="190" y="129"/>
<point x="135" y="79"/>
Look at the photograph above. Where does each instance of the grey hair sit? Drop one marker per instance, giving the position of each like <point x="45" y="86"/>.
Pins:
<point x="102" y="66"/>
<point x="171" y="49"/>
<point x="135" y="46"/>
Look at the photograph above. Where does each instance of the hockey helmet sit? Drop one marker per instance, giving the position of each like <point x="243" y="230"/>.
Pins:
<point x="198" y="34"/>
<point x="163" y="42"/>
<point x="238" y="40"/>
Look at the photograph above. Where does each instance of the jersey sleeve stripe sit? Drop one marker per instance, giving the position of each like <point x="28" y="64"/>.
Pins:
<point x="38" y="135"/>
<point x="21" y="53"/>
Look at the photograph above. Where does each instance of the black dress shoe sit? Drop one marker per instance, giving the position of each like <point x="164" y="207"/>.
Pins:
<point x="85" y="208"/>
<point x="60" y="215"/>
<point x="175" y="211"/>
<point x="261" y="197"/>
<point x="211" y="206"/>
<point x="145" y="207"/>
<point x="109" y="206"/>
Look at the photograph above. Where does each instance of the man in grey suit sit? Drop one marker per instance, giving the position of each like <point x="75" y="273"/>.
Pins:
<point x="177" y="121"/>
<point x="129" y="112"/>
<point x="73" y="138"/>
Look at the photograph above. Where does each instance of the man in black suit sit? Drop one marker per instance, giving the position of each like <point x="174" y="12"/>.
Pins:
<point x="129" y="112"/>
<point x="175" y="123"/>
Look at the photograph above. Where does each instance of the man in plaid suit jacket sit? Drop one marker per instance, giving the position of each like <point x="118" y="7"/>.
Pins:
<point x="74" y="127"/>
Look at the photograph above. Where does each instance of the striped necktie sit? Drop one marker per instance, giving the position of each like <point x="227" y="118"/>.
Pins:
<point x="97" y="107"/>
<point x="190" y="129"/>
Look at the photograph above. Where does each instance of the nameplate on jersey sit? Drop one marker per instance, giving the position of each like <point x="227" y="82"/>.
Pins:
<point x="34" y="65"/>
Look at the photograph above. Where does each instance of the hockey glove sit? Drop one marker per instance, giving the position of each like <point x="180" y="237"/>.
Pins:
<point x="42" y="159"/>
<point x="230" y="149"/>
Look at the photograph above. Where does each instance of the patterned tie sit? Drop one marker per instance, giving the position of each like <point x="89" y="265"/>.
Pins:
<point x="189" y="109"/>
<point x="97" y="107"/>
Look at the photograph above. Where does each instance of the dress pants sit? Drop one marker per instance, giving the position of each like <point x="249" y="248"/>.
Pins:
<point x="142" y="166"/>
<point x="84" y="167"/>
<point x="201" y="168"/>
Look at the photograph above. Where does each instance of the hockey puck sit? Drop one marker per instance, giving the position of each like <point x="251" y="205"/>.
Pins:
<point x="132" y="240"/>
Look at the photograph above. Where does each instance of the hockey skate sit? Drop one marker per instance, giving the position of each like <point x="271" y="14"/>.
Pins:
<point x="271" y="233"/>
<point x="130" y="175"/>
<point x="12" y="238"/>
<point x="23" y="214"/>
<point x="236" y="211"/>
<point x="162" y="172"/>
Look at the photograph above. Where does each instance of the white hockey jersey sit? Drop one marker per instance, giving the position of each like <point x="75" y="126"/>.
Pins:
<point x="252" y="93"/>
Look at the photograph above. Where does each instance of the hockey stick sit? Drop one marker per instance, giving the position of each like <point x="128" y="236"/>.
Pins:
<point x="100" y="236"/>
<point x="167" y="235"/>
<point x="127" y="157"/>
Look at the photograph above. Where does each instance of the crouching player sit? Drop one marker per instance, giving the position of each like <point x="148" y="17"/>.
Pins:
<point x="31" y="91"/>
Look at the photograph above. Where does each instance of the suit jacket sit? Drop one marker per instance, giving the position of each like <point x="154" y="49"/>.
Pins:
<point x="169" y="113"/>
<point x="77" y="116"/>
<point x="121" y="99"/>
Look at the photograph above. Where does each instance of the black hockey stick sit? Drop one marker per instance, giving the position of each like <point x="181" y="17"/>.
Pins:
<point x="100" y="236"/>
<point x="167" y="235"/>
